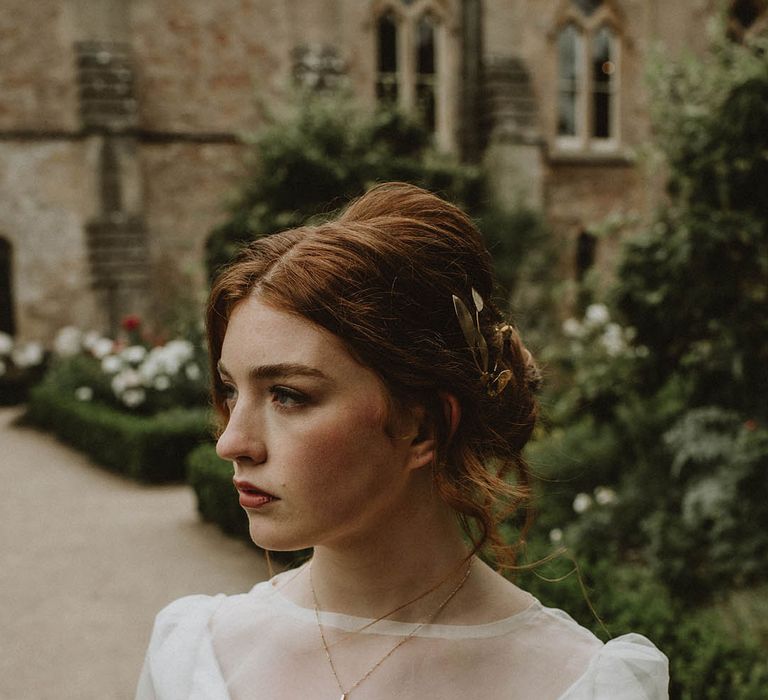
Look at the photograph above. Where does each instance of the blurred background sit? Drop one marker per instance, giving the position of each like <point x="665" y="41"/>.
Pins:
<point x="615" y="156"/>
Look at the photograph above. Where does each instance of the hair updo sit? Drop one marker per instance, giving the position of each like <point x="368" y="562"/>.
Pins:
<point x="382" y="277"/>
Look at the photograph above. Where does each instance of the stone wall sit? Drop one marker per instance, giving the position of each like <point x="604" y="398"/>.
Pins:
<point x="190" y="186"/>
<point x="37" y="73"/>
<point x="46" y="195"/>
<point x="203" y="74"/>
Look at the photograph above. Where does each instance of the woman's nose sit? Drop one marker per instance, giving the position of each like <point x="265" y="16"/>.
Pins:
<point x="242" y="441"/>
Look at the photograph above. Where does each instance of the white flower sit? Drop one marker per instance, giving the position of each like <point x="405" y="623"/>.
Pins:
<point x="556" y="536"/>
<point x="102" y="347"/>
<point x="192" y="371"/>
<point x="572" y="328"/>
<point x="90" y="338"/>
<point x="67" y="341"/>
<point x="162" y="383"/>
<point x="111" y="364"/>
<point x="126" y="379"/>
<point x="612" y="339"/>
<point x="597" y="314"/>
<point x="6" y="344"/>
<point x="181" y="350"/>
<point x="133" y="397"/>
<point x="83" y="393"/>
<point x="134" y="354"/>
<point x="161" y="360"/>
<point x="582" y="502"/>
<point x="605" y="496"/>
<point x="29" y="355"/>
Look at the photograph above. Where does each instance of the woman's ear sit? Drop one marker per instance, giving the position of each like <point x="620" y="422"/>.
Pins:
<point x="451" y="411"/>
<point x="423" y="447"/>
<point x="424" y="444"/>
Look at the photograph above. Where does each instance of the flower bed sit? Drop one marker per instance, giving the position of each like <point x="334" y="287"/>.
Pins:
<point x="135" y="407"/>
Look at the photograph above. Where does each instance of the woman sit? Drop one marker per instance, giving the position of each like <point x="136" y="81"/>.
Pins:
<point x="374" y="405"/>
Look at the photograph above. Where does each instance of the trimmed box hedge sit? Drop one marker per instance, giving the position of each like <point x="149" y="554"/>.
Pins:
<point x="151" y="449"/>
<point x="217" y="499"/>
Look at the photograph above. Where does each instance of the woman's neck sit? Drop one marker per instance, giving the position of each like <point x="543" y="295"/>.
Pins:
<point x="416" y="554"/>
<point x="377" y="569"/>
<point x="379" y="580"/>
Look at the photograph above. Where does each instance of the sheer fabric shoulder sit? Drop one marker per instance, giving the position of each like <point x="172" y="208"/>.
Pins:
<point x="182" y="662"/>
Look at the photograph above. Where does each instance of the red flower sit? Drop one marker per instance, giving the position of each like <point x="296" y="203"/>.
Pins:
<point x="131" y="323"/>
<point x="750" y="424"/>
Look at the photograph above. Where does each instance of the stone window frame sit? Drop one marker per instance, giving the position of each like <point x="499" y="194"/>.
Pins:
<point x="407" y="15"/>
<point x="588" y="27"/>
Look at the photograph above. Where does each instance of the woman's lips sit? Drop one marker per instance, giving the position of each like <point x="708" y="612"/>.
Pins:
<point x="252" y="496"/>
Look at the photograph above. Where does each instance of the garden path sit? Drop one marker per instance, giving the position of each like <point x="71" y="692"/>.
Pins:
<point x="88" y="558"/>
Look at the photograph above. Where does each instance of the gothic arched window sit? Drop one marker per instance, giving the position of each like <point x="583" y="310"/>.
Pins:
<point x="416" y="62"/>
<point x="587" y="78"/>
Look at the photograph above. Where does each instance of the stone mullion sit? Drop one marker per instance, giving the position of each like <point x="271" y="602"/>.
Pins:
<point x="406" y="59"/>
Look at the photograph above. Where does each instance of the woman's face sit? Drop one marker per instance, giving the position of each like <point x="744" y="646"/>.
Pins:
<point x="307" y="427"/>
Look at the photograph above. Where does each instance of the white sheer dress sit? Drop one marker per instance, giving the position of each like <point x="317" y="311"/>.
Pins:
<point x="262" y="646"/>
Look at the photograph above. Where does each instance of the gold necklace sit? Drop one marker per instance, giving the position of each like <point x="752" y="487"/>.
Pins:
<point x="431" y="618"/>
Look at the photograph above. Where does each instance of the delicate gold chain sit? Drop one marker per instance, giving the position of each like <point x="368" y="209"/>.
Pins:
<point x="431" y="618"/>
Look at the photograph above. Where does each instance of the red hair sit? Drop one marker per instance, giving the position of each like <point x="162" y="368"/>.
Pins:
<point x="381" y="277"/>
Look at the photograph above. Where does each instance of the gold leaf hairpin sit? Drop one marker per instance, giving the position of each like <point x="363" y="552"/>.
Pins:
<point x="495" y="382"/>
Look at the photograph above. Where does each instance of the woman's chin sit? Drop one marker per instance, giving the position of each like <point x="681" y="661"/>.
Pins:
<point x="275" y="542"/>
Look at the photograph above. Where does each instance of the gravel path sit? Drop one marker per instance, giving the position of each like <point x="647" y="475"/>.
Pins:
<point x="88" y="558"/>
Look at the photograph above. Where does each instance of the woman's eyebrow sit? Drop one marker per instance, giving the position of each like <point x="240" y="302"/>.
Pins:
<point x="282" y="369"/>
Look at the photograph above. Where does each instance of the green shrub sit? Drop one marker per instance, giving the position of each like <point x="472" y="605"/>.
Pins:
<point x="146" y="448"/>
<point x="325" y="152"/>
<point x="217" y="501"/>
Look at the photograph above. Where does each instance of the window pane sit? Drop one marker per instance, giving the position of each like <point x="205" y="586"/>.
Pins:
<point x="386" y="82"/>
<point x="588" y="6"/>
<point x="586" y="245"/>
<point x="425" y="45"/>
<point x="603" y="69"/>
<point x="569" y="80"/>
<point x="7" y="320"/>
<point x="426" y="70"/>
<point x="387" y="44"/>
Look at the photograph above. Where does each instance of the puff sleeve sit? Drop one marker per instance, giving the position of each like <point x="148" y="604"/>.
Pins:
<point x="627" y="668"/>
<point x="180" y="663"/>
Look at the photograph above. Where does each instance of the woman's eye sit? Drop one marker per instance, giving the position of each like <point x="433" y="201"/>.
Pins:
<point x="287" y="398"/>
<point x="228" y="393"/>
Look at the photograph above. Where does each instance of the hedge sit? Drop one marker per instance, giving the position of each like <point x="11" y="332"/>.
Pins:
<point x="147" y="448"/>
<point x="217" y="500"/>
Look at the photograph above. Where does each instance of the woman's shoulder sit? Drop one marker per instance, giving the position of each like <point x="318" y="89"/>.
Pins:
<point x="629" y="667"/>
<point x="196" y="611"/>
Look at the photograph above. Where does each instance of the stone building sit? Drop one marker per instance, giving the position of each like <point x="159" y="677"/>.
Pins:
<point x="121" y="122"/>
